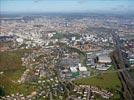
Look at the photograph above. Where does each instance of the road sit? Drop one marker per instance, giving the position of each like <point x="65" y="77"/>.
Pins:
<point x="126" y="79"/>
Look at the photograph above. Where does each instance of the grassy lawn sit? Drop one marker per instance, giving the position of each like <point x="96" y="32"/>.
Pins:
<point x="58" y="36"/>
<point x="11" y="65"/>
<point x="11" y="60"/>
<point x="108" y="81"/>
<point x="14" y="74"/>
<point x="11" y="87"/>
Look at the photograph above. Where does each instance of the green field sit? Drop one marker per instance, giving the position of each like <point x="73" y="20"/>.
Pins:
<point x="58" y="36"/>
<point x="108" y="81"/>
<point x="10" y="87"/>
<point x="11" y="65"/>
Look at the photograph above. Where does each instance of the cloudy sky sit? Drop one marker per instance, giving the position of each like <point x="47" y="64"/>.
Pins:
<point x="67" y="5"/>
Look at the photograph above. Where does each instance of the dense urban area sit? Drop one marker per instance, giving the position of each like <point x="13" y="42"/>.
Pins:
<point x="67" y="57"/>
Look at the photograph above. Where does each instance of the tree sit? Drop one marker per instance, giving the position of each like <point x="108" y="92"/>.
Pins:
<point x="2" y="92"/>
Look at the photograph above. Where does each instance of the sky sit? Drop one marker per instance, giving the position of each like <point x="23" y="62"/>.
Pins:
<point x="67" y="5"/>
